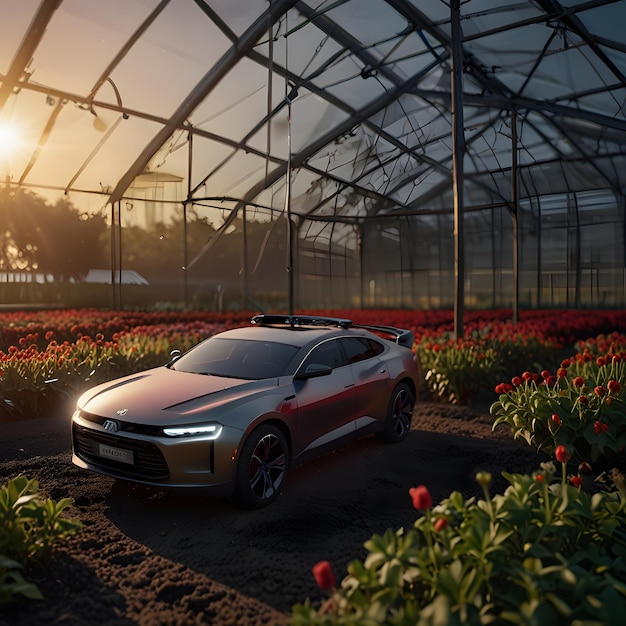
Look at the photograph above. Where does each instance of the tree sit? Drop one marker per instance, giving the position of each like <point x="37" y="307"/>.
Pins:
<point x="50" y="239"/>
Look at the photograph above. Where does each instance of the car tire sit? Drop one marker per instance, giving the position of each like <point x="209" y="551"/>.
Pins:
<point x="262" y="467"/>
<point x="399" y="412"/>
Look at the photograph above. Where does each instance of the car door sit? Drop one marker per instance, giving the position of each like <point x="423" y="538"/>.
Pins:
<point x="371" y="378"/>
<point x="326" y="403"/>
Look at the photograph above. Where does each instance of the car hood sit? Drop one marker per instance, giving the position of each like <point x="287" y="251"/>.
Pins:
<point x="158" y="395"/>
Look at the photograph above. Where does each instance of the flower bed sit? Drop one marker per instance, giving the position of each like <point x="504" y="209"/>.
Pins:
<point x="48" y="357"/>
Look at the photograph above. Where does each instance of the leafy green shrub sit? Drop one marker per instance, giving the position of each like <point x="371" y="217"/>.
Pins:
<point x="544" y="552"/>
<point x="455" y="369"/>
<point x="29" y="527"/>
<point x="582" y="406"/>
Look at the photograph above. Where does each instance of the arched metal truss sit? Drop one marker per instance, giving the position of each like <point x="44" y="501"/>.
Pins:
<point x="108" y="94"/>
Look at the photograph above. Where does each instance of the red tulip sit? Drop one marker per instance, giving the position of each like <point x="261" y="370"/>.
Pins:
<point x="421" y="497"/>
<point x="324" y="576"/>
<point x="614" y="386"/>
<point x="577" y="481"/>
<point x="600" y="391"/>
<point x="562" y="455"/>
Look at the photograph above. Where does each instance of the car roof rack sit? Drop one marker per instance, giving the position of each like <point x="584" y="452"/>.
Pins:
<point x="299" y="320"/>
<point x="401" y="336"/>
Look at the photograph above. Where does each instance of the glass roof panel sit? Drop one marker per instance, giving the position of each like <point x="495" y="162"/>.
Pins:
<point x="358" y="93"/>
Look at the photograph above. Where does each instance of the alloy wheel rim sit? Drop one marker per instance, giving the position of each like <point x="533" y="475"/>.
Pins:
<point x="402" y="411"/>
<point x="267" y="467"/>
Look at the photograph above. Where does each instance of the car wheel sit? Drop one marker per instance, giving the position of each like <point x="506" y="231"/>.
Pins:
<point x="398" y="421"/>
<point x="262" y="467"/>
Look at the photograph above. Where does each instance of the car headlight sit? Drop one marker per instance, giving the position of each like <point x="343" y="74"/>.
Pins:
<point x="209" y="431"/>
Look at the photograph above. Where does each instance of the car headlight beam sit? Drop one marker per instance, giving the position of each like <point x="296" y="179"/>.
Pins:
<point x="208" y="431"/>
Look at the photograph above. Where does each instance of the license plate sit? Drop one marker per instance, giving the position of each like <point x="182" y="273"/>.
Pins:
<point x="116" y="454"/>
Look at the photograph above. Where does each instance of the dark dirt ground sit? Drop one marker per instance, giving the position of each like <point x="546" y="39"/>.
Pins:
<point x="151" y="557"/>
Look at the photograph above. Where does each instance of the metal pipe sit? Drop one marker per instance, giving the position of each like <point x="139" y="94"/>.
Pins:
<point x="458" y="152"/>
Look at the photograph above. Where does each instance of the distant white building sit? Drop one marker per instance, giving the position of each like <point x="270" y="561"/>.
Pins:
<point x="125" y="277"/>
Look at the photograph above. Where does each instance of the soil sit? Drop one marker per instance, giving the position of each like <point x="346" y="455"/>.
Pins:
<point x="149" y="557"/>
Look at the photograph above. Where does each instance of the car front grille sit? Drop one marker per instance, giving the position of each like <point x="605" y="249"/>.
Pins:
<point x="148" y="461"/>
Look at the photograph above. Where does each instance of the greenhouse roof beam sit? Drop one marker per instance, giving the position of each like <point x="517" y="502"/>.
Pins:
<point x="18" y="70"/>
<point x="235" y="53"/>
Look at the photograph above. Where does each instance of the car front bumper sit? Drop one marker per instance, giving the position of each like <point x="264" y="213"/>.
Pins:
<point x="191" y="461"/>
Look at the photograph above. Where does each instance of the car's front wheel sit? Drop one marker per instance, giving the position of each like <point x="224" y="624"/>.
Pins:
<point x="399" y="413"/>
<point x="262" y="467"/>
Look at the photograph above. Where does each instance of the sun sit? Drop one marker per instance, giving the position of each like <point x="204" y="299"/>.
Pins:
<point x="9" y="139"/>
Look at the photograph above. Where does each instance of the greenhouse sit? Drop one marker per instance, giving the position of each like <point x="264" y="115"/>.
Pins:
<point x="349" y="153"/>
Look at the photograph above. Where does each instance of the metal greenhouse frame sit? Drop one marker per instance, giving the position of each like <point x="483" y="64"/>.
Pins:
<point x="355" y="153"/>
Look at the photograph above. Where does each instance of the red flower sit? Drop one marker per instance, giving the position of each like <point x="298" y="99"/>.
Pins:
<point x="561" y="372"/>
<point x="540" y="477"/>
<point x="577" y="481"/>
<point x="517" y="381"/>
<point x="600" y="391"/>
<point x="562" y="455"/>
<point x="579" y="381"/>
<point x="545" y="374"/>
<point x="583" y="399"/>
<point x="600" y="361"/>
<point x="614" y="386"/>
<point x="440" y="524"/>
<point x="556" y="419"/>
<point x="324" y="576"/>
<point x="421" y="497"/>
<point x="527" y="376"/>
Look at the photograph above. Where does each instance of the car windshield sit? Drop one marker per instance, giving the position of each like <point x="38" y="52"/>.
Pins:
<point x="237" y="358"/>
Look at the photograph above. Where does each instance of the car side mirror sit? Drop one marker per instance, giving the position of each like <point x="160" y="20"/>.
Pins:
<point x="314" y="370"/>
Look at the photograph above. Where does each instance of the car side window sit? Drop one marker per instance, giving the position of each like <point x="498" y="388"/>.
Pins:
<point x="327" y="353"/>
<point x="359" y="349"/>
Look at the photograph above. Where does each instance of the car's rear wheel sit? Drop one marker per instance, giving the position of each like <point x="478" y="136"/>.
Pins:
<point x="399" y="413"/>
<point x="262" y="467"/>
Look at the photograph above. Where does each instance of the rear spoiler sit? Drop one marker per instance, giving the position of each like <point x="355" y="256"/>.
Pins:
<point x="401" y="336"/>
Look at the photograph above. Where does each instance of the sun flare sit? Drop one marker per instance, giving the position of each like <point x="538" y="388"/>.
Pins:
<point x="9" y="139"/>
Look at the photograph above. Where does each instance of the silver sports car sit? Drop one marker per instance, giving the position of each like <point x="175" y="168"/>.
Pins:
<point x="237" y="410"/>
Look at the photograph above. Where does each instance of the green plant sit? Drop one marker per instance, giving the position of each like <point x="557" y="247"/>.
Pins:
<point x="544" y="552"/>
<point x="582" y="406"/>
<point x="455" y="369"/>
<point x="12" y="582"/>
<point x="29" y="527"/>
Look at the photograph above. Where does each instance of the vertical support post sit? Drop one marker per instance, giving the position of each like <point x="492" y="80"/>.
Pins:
<point x="515" y="215"/>
<point x="290" y="242"/>
<point x="113" y="259"/>
<point x="360" y="252"/>
<point x="458" y="152"/>
<point x="119" y="248"/>
<point x="244" y="256"/>
<point x="185" y="205"/>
